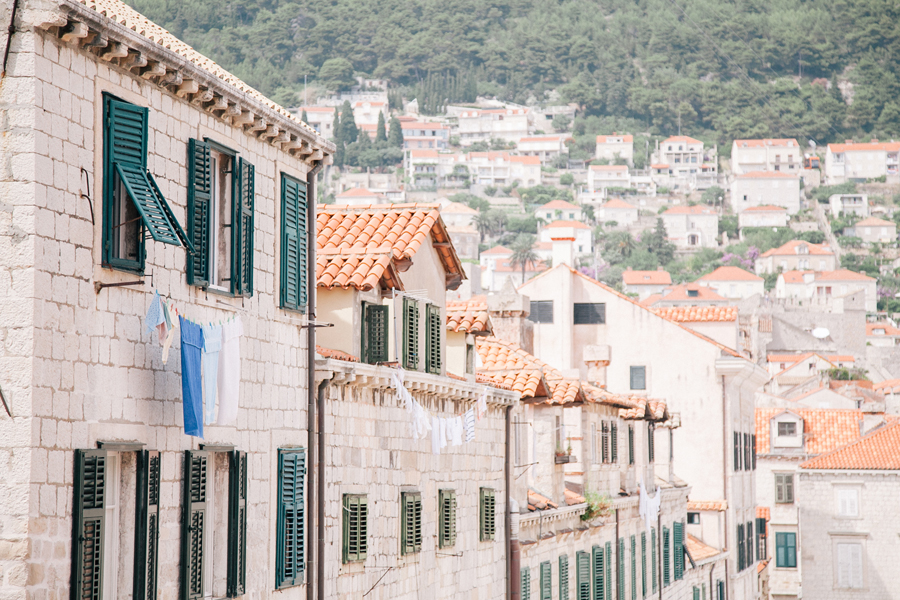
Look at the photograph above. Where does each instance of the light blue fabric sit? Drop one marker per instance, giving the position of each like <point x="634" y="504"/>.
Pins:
<point x="191" y="383"/>
<point x="155" y="314"/>
<point x="212" y="344"/>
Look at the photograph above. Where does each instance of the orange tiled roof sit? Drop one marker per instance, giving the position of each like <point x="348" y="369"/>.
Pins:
<point x="658" y="277"/>
<point x="882" y="328"/>
<point x="644" y="408"/>
<point x="698" y="550"/>
<point x="877" y="451"/>
<point x="618" y="203"/>
<point x="767" y="175"/>
<point x="682" y="138"/>
<point x="765" y="208"/>
<point x="360" y="246"/>
<point x="698" y="314"/>
<point x="572" y="498"/>
<point x="874" y="222"/>
<point x="824" y="429"/>
<point x="691" y="210"/>
<point x="335" y="354"/>
<point x="356" y="192"/>
<point x="458" y="208"/>
<point x="572" y="224"/>
<point x="789" y="142"/>
<point x="865" y="147"/>
<point x="888" y="386"/>
<point x="729" y="273"/>
<point x="843" y="275"/>
<point x="559" y="205"/>
<point x="794" y="276"/>
<point x="790" y="249"/>
<point x="468" y="316"/>
<point x="680" y="292"/>
<point x="650" y="300"/>
<point x="526" y="160"/>
<point x="498" y="250"/>
<point x="539" y="502"/>
<point x="762" y="512"/>
<point x="707" y="505"/>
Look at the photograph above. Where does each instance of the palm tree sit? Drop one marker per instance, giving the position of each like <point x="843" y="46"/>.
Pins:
<point x="484" y="223"/>
<point x="523" y="252"/>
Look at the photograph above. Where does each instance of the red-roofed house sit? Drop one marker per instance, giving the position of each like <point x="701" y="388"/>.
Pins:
<point x="689" y="165"/>
<point x="580" y="234"/>
<point x="617" y="210"/>
<point x="690" y="294"/>
<point x="502" y="168"/>
<point x="796" y="255"/>
<point x="645" y="283"/>
<point x="849" y="204"/>
<point x="760" y="188"/>
<point x="601" y="177"/>
<point x="762" y="216"/>
<point x="692" y="226"/>
<point x="545" y="147"/>
<point x="615" y="146"/>
<point x="482" y="125"/>
<point x="733" y="282"/>
<point x="882" y="334"/>
<point x="872" y="230"/>
<point x="558" y="209"/>
<point x="365" y="112"/>
<point x="424" y="135"/>
<point x="772" y="155"/>
<point x="357" y="197"/>
<point x="847" y="501"/>
<point x="821" y="287"/>
<point x="859" y="162"/>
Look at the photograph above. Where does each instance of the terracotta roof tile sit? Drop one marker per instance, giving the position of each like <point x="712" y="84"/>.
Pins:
<point x="358" y="246"/>
<point x="790" y="249"/>
<point x="824" y="429"/>
<point x="680" y="292"/>
<point x="355" y="192"/>
<point x="559" y="205"/>
<point x="795" y="276"/>
<point x="539" y="502"/>
<point x="763" y="512"/>
<point x="865" y="147"/>
<point x="618" y="203"/>
<point x="729" y="273"/>
<point x="468" y="316"/>
<point x="698" y="314"/>
<point x="573" y="498"/>
<point x="707" y="505"/>
<point x="498" y="250"/>
<point x="874" y="222"/>
<point x="789" y="142"/>
<point x="335" y="354"/>
<point x="658" y="277"/>
<point x="843" y="275"/>
<point x="698" y="550"/>
<point x="878" y="451"/>
<point x="681" y="138"/>
<point x="888" y="386"/>
<point x="691" y="210"/>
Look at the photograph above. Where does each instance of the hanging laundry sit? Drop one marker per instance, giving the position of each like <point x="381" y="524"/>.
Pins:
<point x="456" y="428"/>
<point x="154" y="313"/>
<point x="469" y="420"/>
<point x="212" y="344"/>
<point x="192" y="399"/>
<point x="229" y="375"/>
<point x="435" y="436"/>
<point x="481" y="405"/>
<point x="170" y="337"/>
<point x="648" y="507"/>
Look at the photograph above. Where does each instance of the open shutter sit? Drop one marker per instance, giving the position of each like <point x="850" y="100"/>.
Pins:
<point x="356" y="528"/>
<point x="293" y="243"/>
<point x="788" y="488"/>
<point x="193" y="523"/>
<point x="696" y="593"/>
<point x="678" y="548"/>
<point x="614" y="442"/>
<point x="740" y="546"/>
<point x="753" y="446"/>
<point x="525" y="583"/>
<point x="643" y="564"/>
<point x="620" y="570"/>
<point x="127" y="132"/>
<point x="150" y="204"/>
<point x="411" y="519"/>
<point x="609" y="573"/>
<point x="583" y="574"/>
<point x="487" y="514"/>
<point x="665" y="550"/>
<point x="653" y="553"/>
<point x="242" y="231"/>
<point x="433" y="339"/>
<point x="447" y="534"/>
<point x="564" y="577"/>
<point x="633" y="569"/>
<point x="546" y="583"/>
<point x="289" y="550"/>
<point x="631" y="444"/>
<point x="410" y="334"/>
<point x="237" y="525"/>
<point x="599" y="584"/>
<point x="198" y="211"/>
<point x="375" y="333"/>
<point x="89" y="525"/>
<point x="146" y="530"/>
<point x="737" y="451"/>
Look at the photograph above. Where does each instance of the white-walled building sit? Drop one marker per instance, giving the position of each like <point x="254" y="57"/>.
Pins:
<point x="601" y="177"/>
<point x="457" y="214"/>
<point x="502" y="168"/>
<point x="545" y="147"/>
<point x="365" y="112"/>
<point x="692" y="226"/>
<point x="882" y="334"/>
<point x="358" y="197"/>
<point x="872" y="230"/>
<point x="796" y="255"/>
<point x="733" y="282"/>
<point x="761" y="188"/>
<point x="425" y="135"/>
<point x="581" y="235"/>
<point x="645" y="283"/>
<point x="556" y="210"/>
<point x="821" y="287"/>
<point x="859" y="162"/>
<point x="763" y="216"/>
<point x="482" y="125"/>
<point x="681" y="161"/>
<point x="320" y="118"/>
<point x="771" y="155"/>
<point x="615" y="147"/>
<point x="617" y="210"/>
<point x="849" y="204"/>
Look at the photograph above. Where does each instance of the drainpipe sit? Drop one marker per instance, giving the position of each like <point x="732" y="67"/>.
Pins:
<point x="320" y="474"/>
<point x="513" y="554"/>
<point x="659" y="548"/>
<point x="725" y="459"/>
<point x="619" y="576"/>
<point x="314" y="556"/>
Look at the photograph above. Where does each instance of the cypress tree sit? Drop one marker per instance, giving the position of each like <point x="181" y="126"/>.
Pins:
<point x="380" y="132"/>
<point x="395" y="135"/>
<point x="304" y="117"/>
<point x="336" y="127"/>
<point x="349" y="132"/>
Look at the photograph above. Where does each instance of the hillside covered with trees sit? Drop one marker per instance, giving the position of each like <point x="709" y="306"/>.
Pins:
<point x="723" y="69"/>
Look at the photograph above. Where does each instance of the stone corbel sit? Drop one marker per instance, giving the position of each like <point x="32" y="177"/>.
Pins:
<point x="74" y="31"/>
<point x="282" y="138"/>
<point x="233" y="111"/>
<point x="270" y="132"/>
<point x="292" y="144"/>
<point x="244" y="118"/>
<point x="203" y="96"/>
<point x="115" y="50"/>
<point x="154" y="69"/>
<point x="258" y="124"/>
<point x="187" y="87"/>
<point x="316" y="155"/>
<point x="98" y="39"/>
<point x="172" y="78"/>
<point x="135" y="60"/>
<point x="220" y="103"/>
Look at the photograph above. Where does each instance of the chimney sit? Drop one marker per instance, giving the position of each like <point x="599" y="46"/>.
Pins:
<point x="509" y="311"/>
<point x="563" y="251"/>
<point x="597" y="357"/>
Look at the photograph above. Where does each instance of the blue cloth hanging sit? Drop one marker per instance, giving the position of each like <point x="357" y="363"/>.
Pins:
<point x="155" y="314"/>
<point x="191" y="382"/>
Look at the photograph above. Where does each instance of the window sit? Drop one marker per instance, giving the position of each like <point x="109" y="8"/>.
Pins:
<point x="564" y="577"/>
<point x="633" y="568"/>
<point x="410" y="522"/>
<point x="598" y="573"/>
<point x="410" y="333"/>
<point x="643" y="564"/>
<point x="748" y="453"/>
<point x="220" y="209"/>
<point x="583" y="575"/>
<point x="737" y="451"/>
<point x="604" y="428"/>
<point x="131" y="199"/>
<point x="678" y="549"/>
<point x="587" y="313"/>
<point x="786" y="550"/>
<point x="788" y="429"/>
<point x="653" y="579"/>
<point x="290" y="559"/>
<point x="525" y="581"/>
<point x="613" y="442"/>
<point x="433" y="346"/>
<point x="742" y="564"/>
<point x="720" y="589"/>
<point x="693" y="518"/>
<point x="620" y="570"/>
<point x="692" y="239"/>
<point x="638" y="378"/>
<point x="753" y="451"/>
<point x="593" y="443"/>
<point x="608" y="575"/>
<point x="762" y="552"/>
<point x="355" y="528"/>
<point x="696" y="593"/>
<point x="651" y="452"/>
<point x="541" y="311"/>
<point x="784" y="488"/>
<point x="546" y="583"/>
<point x="631" y="444"/>
<point x="665" y="556"/>
<point x="486" y="514"/>
<point x="374" y="338"/>
<point x="214" y="523"/>
<point x="748" y="552"/>
<point x="293" y="243"/>
<point x="847" y="500"/>
<point x="849" y="565"/>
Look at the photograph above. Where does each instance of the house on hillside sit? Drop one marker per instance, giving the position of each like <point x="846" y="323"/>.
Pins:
<point x="366" y="112"/>
<point x="683" y="163"/>
<point x="358" y="197"/>
<point x="692" y="226"/>
<point x="556" y="210"/>
<point x="796" y="255"/>
<point x="873" y="230"/>
<point x="842" y="282"/>
<point x="482" y="125"/>
<point x="762" y="188"/>
<point x="320" y="118"/>
<point x="645" y="283"/>
<point x="457" y="214"/>
<point x="503" y="168"/>
<point x="718" y="323"/>
<point x="545" y="147"/>
<point x="616" y="209"/>
<point x="580" y="234"/>
<point x="688" y="294"/>
<point x="733" y="282"/>
<point x="849" y="204"/>
<point x="769" y="155"/>
<point x="882" y="334"/>
<point x="860" y="162"/>
<point x="615" y="147"/>
<point x="425" y="135"/>
<point x="762" y="216"/>
<point x="602" y="177"/>
<point x="849" y="541"/>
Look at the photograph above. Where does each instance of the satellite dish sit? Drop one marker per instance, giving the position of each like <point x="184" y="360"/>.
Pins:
<point x="820" y="333"/>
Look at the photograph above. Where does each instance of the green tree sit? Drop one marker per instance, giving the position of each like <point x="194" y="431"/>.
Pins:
<point x="523" y="252"/>
<point x="337" y="74"/>
<point x="380" y="132"/>
<point x="395" y="134"/>
<point x="349" y="131"/>
<point x="566" y="179"/>
<point x="304" y="117"/>
<point x="337" y="136"/>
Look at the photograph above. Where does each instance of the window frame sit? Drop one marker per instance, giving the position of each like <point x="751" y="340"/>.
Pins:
<point x="487" y="514"/>
<point x="537" y="312"/>
<point x="302" y="233"/>
<point x="784" y="483"/>
<point x="374" y="351"/>
<point x="361" y="517"/>
<point x="412" y="316"/>
<point x="282" y="581"/>
<point x="635" y="370"/>
<point x="447" y="505"/>
<point x="786" y="540"/>
<point x="594" y="316"/>
<point x="410" y="522"/>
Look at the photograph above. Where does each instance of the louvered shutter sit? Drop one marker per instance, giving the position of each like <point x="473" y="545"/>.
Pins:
<point x="290" y="543"/>
<point x="788" y="488"/>
<point x="356" y="528"/>
<point x="193" y="523"/>
<point x="740" y="546"/>
<point x="127" y="132"/>
<point x="614" y="442"/>
<point x="608" y="576"/>
<point x="243" y="232"/>
<point x="665" y="556"/>
<point x="643" y="564"/>
<point x="155" y="212"/>
<point x="546" y="583"/>
<point x="599" y="583"/>
<point x="604" y="435"/>
<point x="653" y="553"/>
<point x="737" y="451"/>
<point x="237" y="525"/>
<point x="747" y="452"/>
<point x="564" y="577"/>
<point x="375" y="333"/>
<point x="487" y="514"/>
<point x="433" y="339"/>
<point x="583" y="574"/>
<point x="146" y="548"/>
<point x="651" y="441"/>
<point x="293" y="243"/>
<point x="633" y="569"/>
<point x="720" y="589"/>
<point x="447" y="534"/>
<point x="696" y="592"/>
<point x="638" y="378"/>
<point x="198" y="211"/>
<point x="631" y="444"/>
<point x="525" y="583"/>
<point x="411" y="520"/>
<point x="620" y="571"/>
<point x="678" y="548"/>
<point x="410" y="333"/>
<point x="753" y="446"/>
<point x="89" y="509"/>
<point x="750" y="539"/>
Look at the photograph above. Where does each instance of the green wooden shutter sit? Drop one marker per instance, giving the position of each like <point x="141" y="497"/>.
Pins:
<point x="237" y="525"/>
<point x="696" y="593"/>
<point x="411" y="522"/>
<point x="433" y="339"/>
<point x="653" y="553"/>
<point x="665" y="569"/>
<point x="643" y="564"/>
<point x="146" y="531"/>
<point x="604" y="430"/>
<point x="447" y="533"/>
<point x="633" y="568"/>
<point x="155" y="212"/>
<point x="740" y="546"/>
<point x="375" y="333"/>
<point x="631" y="444"/>
<point x="243" y="231"/>
<point x="564" y="577"/>
<point x="126" y="132"/>
<point x="720" y="590"/>
<point x="597" y="559"/>
<point x="737" y="451"/>
<point x="609" y="563"/>
<point x="289" y="546"/>
<point x="89" y="525"/>
<point x="410" y="333"/>
<point x="620" y="570"/>
<point x="583" y="574"/>
<point x="487" y="514"/>
<point x="546" y="583"/>
<point x="293" y="243"/>
<point x="614" y="442"/>
<point x="193" y="523"/>
<point x="198" y="211"/>
<point x="753" y="447"/>
<point x="356" y="528"/>
<point x="678" y="548"/>
<point x="525" y="581"/>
